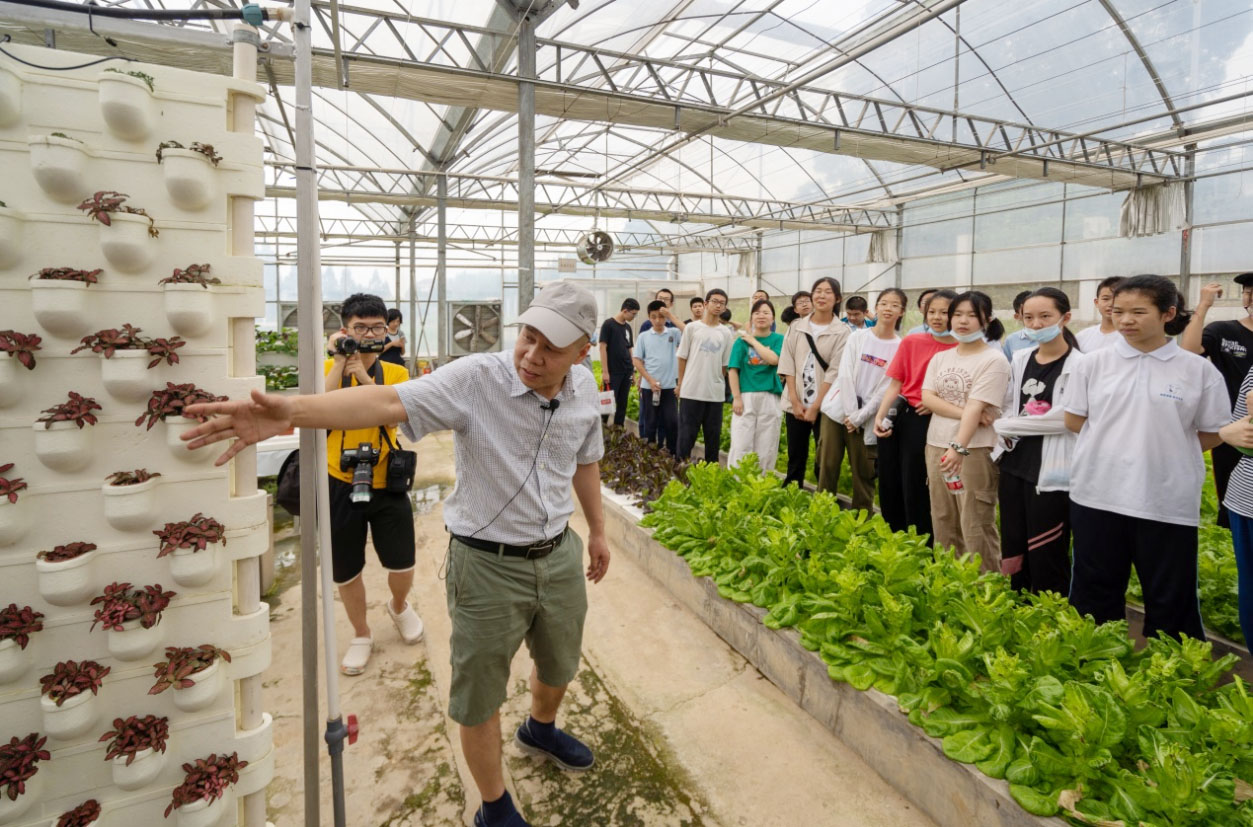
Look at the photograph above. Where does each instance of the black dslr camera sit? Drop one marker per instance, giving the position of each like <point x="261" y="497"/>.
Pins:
<point x="362" y="461"/>
<point x="347" y="346"/>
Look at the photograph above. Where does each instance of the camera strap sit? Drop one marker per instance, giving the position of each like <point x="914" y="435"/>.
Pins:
<point x="376" y="373"/>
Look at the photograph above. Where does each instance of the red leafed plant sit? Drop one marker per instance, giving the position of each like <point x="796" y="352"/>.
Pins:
<point x="108" y="201"/>
<point x="206" y="779"/>
<point x="132" y="735"/>
<point x="19" y="623"/>
<point x="181" y="663"/>
<point x="70" y="678"/>
<point x="68" y="274"/>
<point x="164" y="350"/>
<point x="17" y="762"/>
<point x="107" y="342"/>
<point x="171" y="400"/>
<point x="69" y="551"/>
<point x="193" y="274"/>
<point x="10" y="487"/>
<point x="196" y="534"/>
<point x="82" y="815"/>
<point x="77" y="409"/>
<point x="136" y="477"/>
<point x="20" y="345"/>
<point x="120" y="604"/>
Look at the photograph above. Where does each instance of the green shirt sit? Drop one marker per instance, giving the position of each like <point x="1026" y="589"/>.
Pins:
<point x="755" y="375"/>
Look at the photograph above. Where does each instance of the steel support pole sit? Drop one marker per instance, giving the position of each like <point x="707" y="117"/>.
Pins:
<point x="414" y="336"/>
<point x="526" y="161"/>
<point x="1185" y="238"/>
<point x="314" y="503"/>
<point x="443" y="324"/>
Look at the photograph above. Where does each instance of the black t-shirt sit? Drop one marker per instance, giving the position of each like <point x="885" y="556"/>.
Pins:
<point x="1229" y="345"/>
<point x="1038" y="382"/>
<point x="618" y="341"/>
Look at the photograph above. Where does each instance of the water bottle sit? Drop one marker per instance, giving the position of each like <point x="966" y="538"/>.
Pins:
<point x="890" y="420"/>
<point x="953" y="482"/>
<point x="656" y="399"/>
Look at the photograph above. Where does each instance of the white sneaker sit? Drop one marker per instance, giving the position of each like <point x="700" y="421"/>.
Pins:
<point x="408" y="624"/>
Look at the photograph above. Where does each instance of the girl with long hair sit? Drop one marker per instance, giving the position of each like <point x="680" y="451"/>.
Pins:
<point x="1035" y="449"/>
<point x="1145" y="410"/>
<point x="755" y="389"/>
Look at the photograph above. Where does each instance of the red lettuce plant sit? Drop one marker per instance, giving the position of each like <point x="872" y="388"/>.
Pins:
<point x="18" y="624"/>
<point x="132" y="735"/>
<point x="181" y="663"/>
<point x="102" y="203"/>
<point x="69" y="551"/>
<point x="20" y="345"/>
<point x="193" y="274"/>
<point x="107" y="342"/>
<point x="196" y="534"/>
<point x="206" y="779"/>
<point x="70" y="678"/>
<point x="136" y="477"/>
<point x="82" y="815"/>
<point x="10" y="487"/>
<point x="68" y="274"/>
<point x="77" y="409"/>
<point x="120" y="604"/>
<point x="17" y="762"/>
<point x="172" y="399"/>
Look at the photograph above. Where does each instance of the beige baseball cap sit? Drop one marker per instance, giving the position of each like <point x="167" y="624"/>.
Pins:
<point x="563" y="312"/>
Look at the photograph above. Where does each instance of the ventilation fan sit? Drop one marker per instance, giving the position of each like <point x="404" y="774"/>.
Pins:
<point x="475" y="328"/>
<point x="595" y="247"/>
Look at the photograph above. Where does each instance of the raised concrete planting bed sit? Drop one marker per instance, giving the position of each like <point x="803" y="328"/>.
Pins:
<point x="870" y="723"/>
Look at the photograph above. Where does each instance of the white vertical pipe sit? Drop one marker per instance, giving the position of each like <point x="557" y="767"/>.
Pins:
<point x="526" y="160"/>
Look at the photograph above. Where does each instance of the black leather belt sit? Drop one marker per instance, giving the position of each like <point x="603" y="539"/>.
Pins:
<point x="531" y="552"/>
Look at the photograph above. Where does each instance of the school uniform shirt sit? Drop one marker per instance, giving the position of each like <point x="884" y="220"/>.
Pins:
<point x="866" y="324"/>
<point x="1014" y="342"/>
<point x="1092" y="339"/>
<point x="909" y="365"/>
<point x="1239" y="499"/>
<point x="618" y="341"/>
<point x="707" y="351"/>
<point x="922" y="328"/>
<point x="658" y="350"/>
<point x="958" y="378"/>
<point x="1138" y="454"/>
<point x="648" y="325"/>
<point x="757" y="375"/>
<point x="797" y="358"/>
<point x="1229" y="345"/>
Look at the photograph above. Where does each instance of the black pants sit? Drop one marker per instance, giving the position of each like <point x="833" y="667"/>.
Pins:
<point x="1107" y="545"/>
<point x="904" y="500"/>
<point x="1225" y="460"/>
<point x="1035" y="536"/>
<point x="621" y="387"/>
<point x="660" y="423"/>
<point x="389" y="518"/>
<point x="696" y="416"/>
<point x="798" y="434"/>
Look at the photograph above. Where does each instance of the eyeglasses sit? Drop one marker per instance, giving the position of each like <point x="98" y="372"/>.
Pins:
<point x="716" y="300"/>
<point x="374" y="330"/>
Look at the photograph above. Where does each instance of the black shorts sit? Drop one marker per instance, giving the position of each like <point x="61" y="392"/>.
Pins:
<point x="389" y="517"/>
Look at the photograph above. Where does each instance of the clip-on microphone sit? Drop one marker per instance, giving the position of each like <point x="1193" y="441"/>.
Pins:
<point x="553" y="405"/>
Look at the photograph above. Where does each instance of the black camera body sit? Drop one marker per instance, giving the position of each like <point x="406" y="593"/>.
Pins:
<point x="361" y="460"/>
<point x="347" y="346"/>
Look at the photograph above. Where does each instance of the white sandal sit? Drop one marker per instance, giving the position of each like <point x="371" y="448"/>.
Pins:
<point x="357" y="656"/>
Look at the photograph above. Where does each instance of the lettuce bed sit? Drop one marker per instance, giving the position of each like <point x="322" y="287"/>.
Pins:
<point x="1022" y="687"/>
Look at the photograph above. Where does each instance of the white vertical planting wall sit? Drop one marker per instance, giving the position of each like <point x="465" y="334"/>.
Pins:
<point x="112" y="125"/>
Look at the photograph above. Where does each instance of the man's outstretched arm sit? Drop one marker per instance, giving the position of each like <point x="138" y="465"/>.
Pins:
<point x="248" y="421"/>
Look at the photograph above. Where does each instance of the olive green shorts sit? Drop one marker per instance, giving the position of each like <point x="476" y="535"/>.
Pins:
<point x="496" y="603"/>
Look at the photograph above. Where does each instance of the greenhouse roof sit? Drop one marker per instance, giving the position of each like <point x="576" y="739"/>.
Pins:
<point x="720" y="114"/>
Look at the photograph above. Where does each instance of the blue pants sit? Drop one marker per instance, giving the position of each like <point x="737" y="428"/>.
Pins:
<point x="660" y="423"/>
<point x="1242" y="537"/>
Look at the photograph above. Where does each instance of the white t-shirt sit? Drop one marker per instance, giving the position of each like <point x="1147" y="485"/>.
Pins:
<point x="811" y="376"/>
<point x="707" y="351"/>
<point x="1091" y="338"/>
<point x="958" y="378"/>
<point x="1138" y="454"/>
<point x="876" y="354"/>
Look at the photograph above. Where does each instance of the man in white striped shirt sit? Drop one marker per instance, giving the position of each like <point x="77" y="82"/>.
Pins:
<point x="526" y="429"/>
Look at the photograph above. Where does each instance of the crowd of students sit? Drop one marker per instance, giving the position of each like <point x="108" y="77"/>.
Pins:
<point x="1091" y="444"/>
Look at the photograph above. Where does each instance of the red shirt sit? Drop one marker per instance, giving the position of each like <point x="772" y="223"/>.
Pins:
<point x="909" y="365"/>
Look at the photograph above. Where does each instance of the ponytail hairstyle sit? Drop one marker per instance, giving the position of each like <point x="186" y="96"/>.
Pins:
<point x="1164" y="295"/>
<point x="1062" y="304"/>
<point x="982" y="305"/>
<point x="788" y="315"/>
<point x="835" y="287"/>
<point x="900" y="294"/>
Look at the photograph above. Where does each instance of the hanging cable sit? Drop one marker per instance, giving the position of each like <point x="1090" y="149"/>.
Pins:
<point x="251" y="13"/>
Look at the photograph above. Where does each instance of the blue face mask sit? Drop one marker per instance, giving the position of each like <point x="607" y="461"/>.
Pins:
<point x="1044" y="335"/>
<point x="967" y="338"/>
<point x="939" y="335"/>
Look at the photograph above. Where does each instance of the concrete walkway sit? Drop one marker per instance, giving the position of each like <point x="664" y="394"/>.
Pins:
<point x="685" y="731"/>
